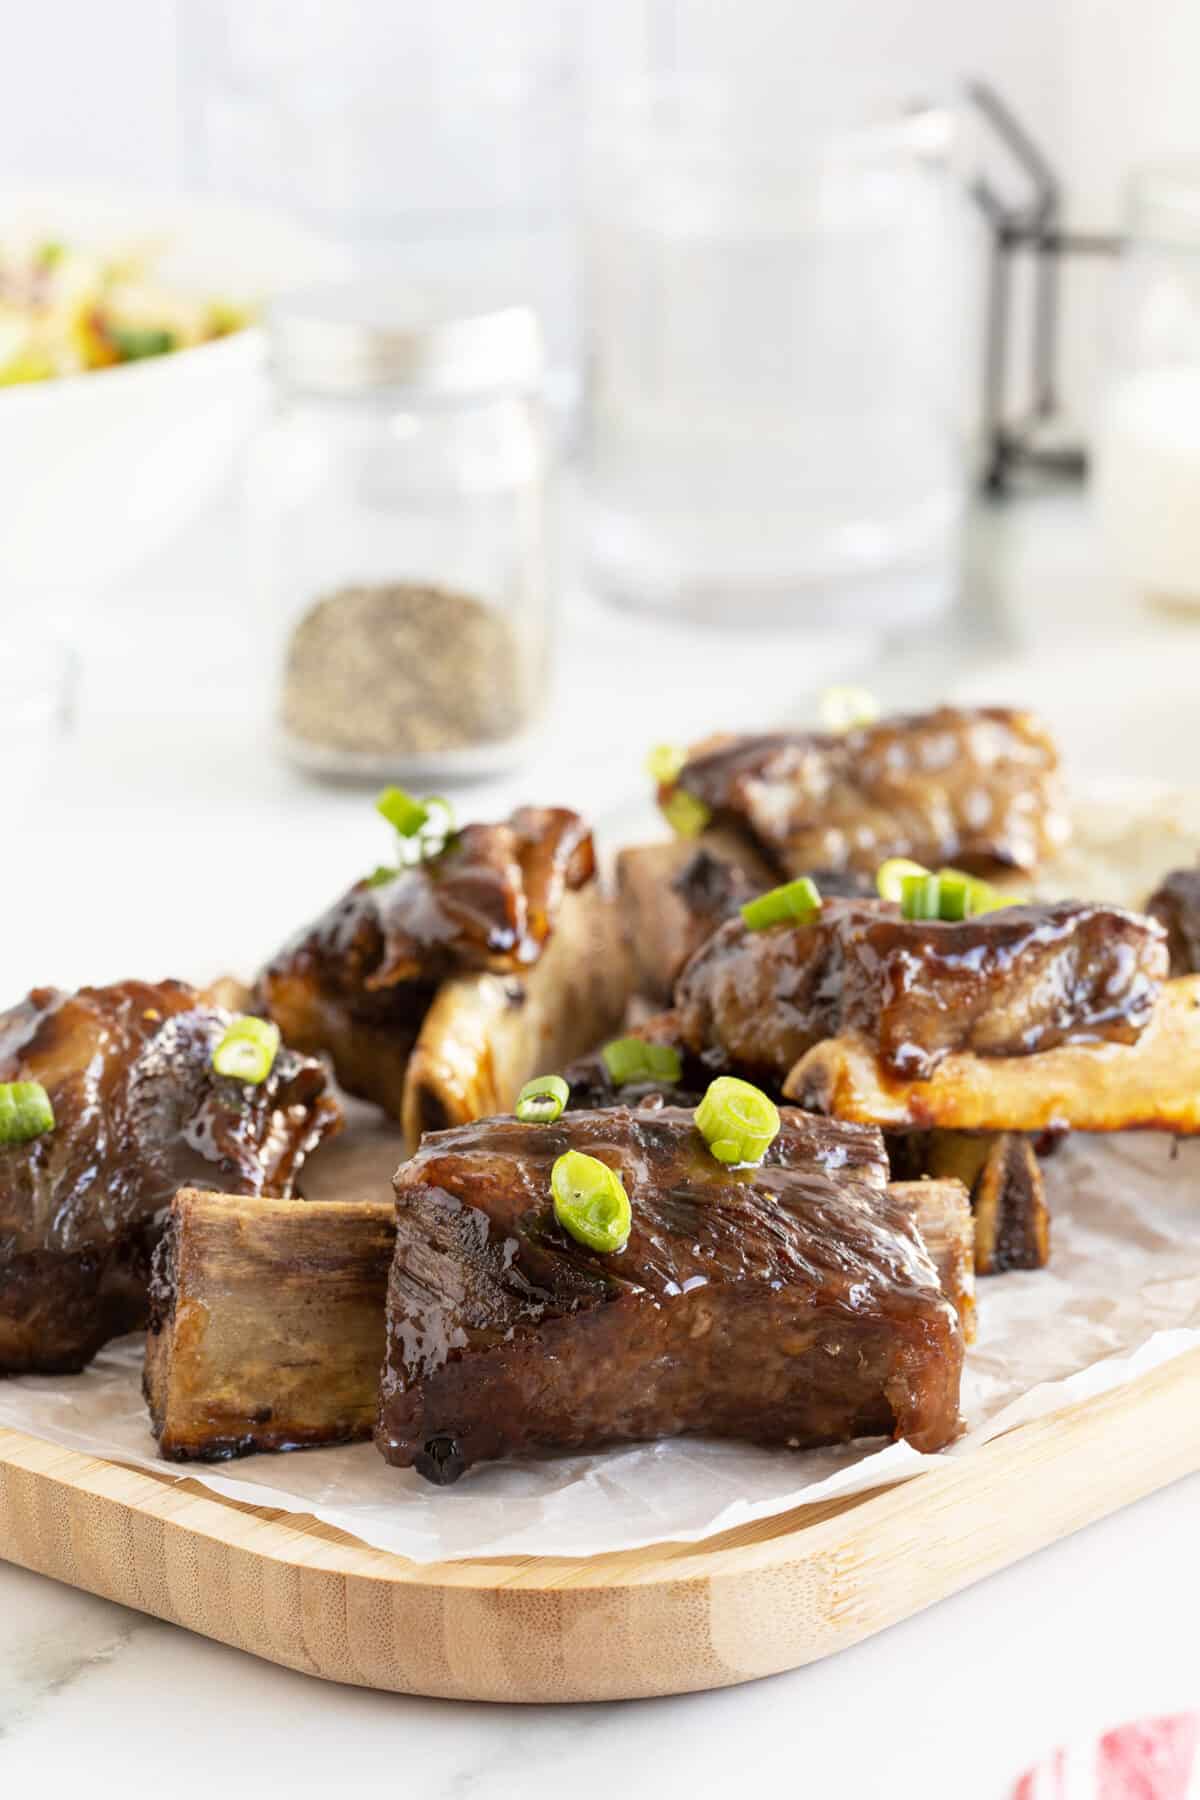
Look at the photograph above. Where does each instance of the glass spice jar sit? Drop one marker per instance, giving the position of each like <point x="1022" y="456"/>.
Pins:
<point x="398" y="503"/>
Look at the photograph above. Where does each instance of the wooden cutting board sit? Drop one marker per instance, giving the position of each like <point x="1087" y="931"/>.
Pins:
<point x="670" y="1619"/>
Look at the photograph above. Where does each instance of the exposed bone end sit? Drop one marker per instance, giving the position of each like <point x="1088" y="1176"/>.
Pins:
<point x="267" y="1324"/>
<point x="1150" y="1085"/>
<point x="484" y="1036"/>
<point x="1001" y="1172"/>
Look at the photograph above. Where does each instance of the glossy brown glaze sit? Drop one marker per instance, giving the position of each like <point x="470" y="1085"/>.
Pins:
<point x="976" y="788"/>
<point x="139" y="1112"/>
<point x="789" y="1304"/>
<point x="1176" y="906"/>
<point x="1008" y="983"/>
<point x="358" y="983"/>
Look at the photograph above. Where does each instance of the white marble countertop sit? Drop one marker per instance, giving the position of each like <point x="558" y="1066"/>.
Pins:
<point x="160" y="840"/>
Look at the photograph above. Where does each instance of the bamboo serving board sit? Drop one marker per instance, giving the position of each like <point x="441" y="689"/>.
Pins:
<point x="665" y="1620"/>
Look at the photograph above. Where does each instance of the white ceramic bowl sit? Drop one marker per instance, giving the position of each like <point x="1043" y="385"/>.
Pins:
<point x="98" y="470"/>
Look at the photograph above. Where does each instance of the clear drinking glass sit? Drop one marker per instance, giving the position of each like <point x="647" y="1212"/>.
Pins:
<point x="38" y="682"/>
<point x="1147" y="473"/>
<point x="779" y="347"/>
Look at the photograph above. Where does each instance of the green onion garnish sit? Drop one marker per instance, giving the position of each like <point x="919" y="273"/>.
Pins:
<point x="541" y="1101"/>
<point x="664" y="763"/>
<point x="402" y="812"/>
<point x="950" y="895"/>
<point x="891" y="875"/>
<point x="590" y="1202"/>
<point x="842" y="708"/>
<point x="921" y="897"/>
<point x="25" y="1111"/>
<point x="798" y="901"/>
<point x="248" y="1049"/>
<point x="686" y="815"/>
<point x="737" y="1121"/>
<point x="633" y="1059"/>
<point x="422" y="826"/>
<point x="982" y="897"/>
<point x="955" y="896"/>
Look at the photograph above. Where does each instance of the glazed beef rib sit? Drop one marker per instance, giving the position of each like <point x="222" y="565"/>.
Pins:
<point x="139" y="1112"/>
<point x="792" y="1304"/>
<point x="975" y="787"/>
<point x="1007" y="983"/>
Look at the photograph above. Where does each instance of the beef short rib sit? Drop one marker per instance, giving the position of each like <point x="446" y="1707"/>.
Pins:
<point x="975" y="787"/>
<point x="792" y="1304"/>
<point x="358" y="982"/>
<point x="139" y="1112"/>
<point x="1007" y="983"/>
<point x="266" y="1324"/>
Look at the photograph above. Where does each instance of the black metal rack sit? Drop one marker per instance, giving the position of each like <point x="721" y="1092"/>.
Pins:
<point x="1031" y="226"/>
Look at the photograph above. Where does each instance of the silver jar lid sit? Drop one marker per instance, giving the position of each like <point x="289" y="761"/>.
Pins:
<point x="353" y="337"/>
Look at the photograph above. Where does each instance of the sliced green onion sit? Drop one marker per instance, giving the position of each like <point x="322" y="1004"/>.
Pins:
<point x="25" y="1111"/>
<point x="798" y="900"/>
<point x="686" y="815"/>
<point x="541" y="1101"/>
<point x="590" y="1202"/>
<point x="737" y="1121"/>
<point x="248" y="1049"/>
<point x="921" y="897"/>
<point x="890" y="876"/>
<point x="954" y="895"/>
<point x="664" y="763"/>
<point x="633" y="1059"/>
<point x="842" y="708"/>
<point x="402" y="812"/>
<point x="949" y="895"/>
<point x="982" y="896"/>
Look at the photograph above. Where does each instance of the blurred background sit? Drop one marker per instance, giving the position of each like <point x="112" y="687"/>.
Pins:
<point x="473" y="396"/>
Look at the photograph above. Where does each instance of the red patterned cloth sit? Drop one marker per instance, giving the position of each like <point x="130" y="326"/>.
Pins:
<point x="1155" y="1759"/>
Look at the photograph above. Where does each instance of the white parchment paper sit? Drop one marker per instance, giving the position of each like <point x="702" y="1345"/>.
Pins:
<point x="1121" y="1295"/>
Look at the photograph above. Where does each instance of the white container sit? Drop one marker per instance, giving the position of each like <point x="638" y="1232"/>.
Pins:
<point x="1147" y="470"/>
<point x="780" y="353"/>
<point x="98" y="470"/>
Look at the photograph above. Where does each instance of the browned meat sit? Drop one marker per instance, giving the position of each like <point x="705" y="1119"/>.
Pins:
<point x="673" y="896"/>
<point x="975" y="788"/>
<point x="358" y="983"/>
<point x="791" y="1304"/>
<point x="139" y="1112"/>
<point x="266" y="1324"/>
<point x="1007" y="983"/>
<point x="1176" y="906"/>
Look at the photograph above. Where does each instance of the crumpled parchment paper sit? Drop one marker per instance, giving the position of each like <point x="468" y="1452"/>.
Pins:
<point x="1121" y="1295"/>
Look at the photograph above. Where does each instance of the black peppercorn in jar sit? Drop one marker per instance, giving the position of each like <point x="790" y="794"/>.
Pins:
<point x="398" y="501"/>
